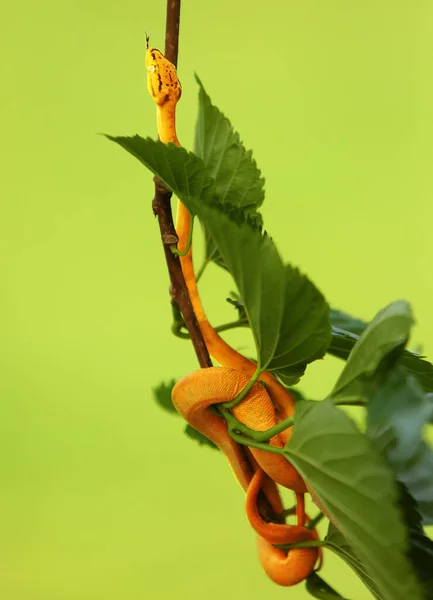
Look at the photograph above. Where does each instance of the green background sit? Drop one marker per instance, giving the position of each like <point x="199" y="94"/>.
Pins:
<point x="102" y="496"/>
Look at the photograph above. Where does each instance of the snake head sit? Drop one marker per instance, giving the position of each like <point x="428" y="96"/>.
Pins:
<point x="162" y="80"/>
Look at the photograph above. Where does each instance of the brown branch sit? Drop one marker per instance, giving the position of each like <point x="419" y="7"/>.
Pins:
<point x="172" y="31"/>
<point x="162" y="209"/>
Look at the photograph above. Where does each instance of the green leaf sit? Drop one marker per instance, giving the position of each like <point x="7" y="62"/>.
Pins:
<point x="388" y="331"/>
<point x="357" y="492"/>
<point x="305" y="329"/>
<point x="318" y="588"/>
<point x="182" y="172"/>
<point x="336" y="542"/>
<point x="237" y="179"/>
<point x="343" y="321"/>
<point x="421" y="556"/>
<point x="162" y="395"/>
<point x="202" y="440"/>
<point x="288" y="316"/>
<point x="420" y="551"/>
<point x="345" y="334"/>
<point x="420" y="368"/>
<point x="400" y="409"/>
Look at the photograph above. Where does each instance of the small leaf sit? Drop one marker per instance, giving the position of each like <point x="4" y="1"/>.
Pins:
<point x="388" y="331"/>
<point x="399" y="408"/>
<point x="345" y="322"/>
<point x="318" y="588"/>
<point x="305" y="329"/>
<point x="162" y="395"/>
<point x="419" y="367"/>
<point x="180" y="171"/>
<point x="345" y="334"/>
<point x="195" y="435"/>
<point x="237" y="178"/>
<point x="357" y="492"/>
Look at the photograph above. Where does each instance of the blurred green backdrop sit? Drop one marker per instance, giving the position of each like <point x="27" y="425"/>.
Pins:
<point x="102" y="497"/>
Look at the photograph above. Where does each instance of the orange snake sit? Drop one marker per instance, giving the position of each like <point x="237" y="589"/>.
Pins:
<point x="194" y="394"/>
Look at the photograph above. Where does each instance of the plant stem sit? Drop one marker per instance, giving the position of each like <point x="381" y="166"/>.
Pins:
<point x="232" y="325"/>
<point x="314" y="522"/>
<point x="241" y="439"/>
<point x="287" y="512"/>
<point x="162" y="210"/>
<point x="203" y="266"/>
<point x="306" y="544"/>
<point x="172" y="31"/>
<point x="178" y="324"/>
<point x="258" y="436"/>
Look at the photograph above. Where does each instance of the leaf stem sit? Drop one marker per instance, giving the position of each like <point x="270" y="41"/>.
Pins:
<point x="179" y="324"/>
<point x="203" y="266"/>
<point x="232" y="325"/>
<point x="258" y="436"/>
<point x="241" y="439"/>
<point x="314" y="522"/>
<point x="287" y="512"/>
<point x="306" y="544"/>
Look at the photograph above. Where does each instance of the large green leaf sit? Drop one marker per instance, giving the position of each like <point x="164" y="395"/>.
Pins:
<point x="388" y="331"/>
<point x="287" y="314"/>
<point x="336" y="542"/>
<point x="345" y="333"/>
<point x="399" y="408"/>
<point x="182" y="172"/>
<point x="305" y="327"/>
<point x="357" y="491"/>
<point x="420" y="550"/>
<point x="237" y="179"/>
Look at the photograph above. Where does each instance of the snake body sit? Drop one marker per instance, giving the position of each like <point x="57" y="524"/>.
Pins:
<point x="195" y="394"/>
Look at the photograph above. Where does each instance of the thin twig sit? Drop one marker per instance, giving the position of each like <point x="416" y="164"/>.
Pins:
<point x="172" y="31"/>
<point x="162" y="209"/>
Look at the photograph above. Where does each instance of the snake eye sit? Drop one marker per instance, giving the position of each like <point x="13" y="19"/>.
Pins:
<point x="151" y="69"/>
